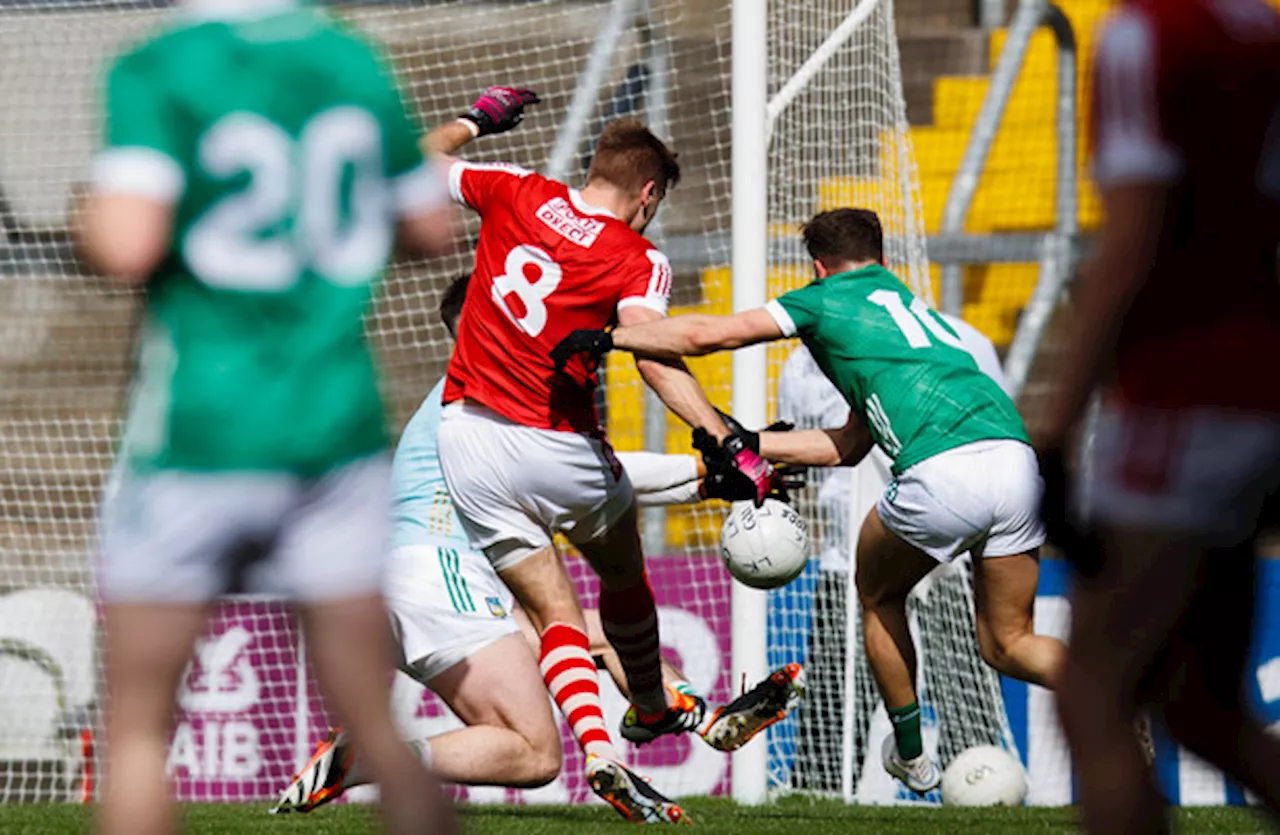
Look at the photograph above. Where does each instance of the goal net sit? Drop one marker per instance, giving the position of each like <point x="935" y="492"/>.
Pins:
<point x="249" y="713"/>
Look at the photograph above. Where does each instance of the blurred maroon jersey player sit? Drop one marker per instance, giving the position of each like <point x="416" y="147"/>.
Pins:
<point x="1188" y="96"/>
<point x="1178" y="320"/>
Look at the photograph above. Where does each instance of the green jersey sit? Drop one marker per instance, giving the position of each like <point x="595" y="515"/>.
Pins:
<point x="283" y="144"/>
<point x="899" y="365"/>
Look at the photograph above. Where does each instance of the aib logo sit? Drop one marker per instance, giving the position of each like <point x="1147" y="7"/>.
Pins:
<point x="221" y="679"/>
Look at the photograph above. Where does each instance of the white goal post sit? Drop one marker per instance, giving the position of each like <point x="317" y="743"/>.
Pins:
<point x="750" y="365"/>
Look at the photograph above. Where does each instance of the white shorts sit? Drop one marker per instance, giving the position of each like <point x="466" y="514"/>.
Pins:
<point x="446" y="604"/>
<point x="514" y="486"/>
<point x="188" y="537"/>
<point x="982" y="497"/>
<point x="1200" y="471"/>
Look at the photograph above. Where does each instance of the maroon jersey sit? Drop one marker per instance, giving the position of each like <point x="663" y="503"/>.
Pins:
<point x="1187" y="94"/>
<point x="547" y="263"/>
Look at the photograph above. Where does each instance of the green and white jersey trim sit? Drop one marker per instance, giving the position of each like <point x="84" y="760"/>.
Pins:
<point x="421" y="189"/>
<point x="782" y="318"/>
<point x="147" y="429"/>
<point x="455" y="583"/>
<point x="879" y="419"/>
<point x="138" y="171"/>
<point x="231" y="10"/>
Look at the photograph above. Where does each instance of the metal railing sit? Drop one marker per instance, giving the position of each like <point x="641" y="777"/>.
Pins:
<point x="1057" y="249"/>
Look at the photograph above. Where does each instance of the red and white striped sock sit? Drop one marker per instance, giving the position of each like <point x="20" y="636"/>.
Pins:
<point x="630" y="621"/>
<point x="570" y="675"/>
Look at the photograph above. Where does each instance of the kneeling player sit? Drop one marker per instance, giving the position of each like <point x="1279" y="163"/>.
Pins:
<point x="458" y="635"/>
<point x="965" y="478"/>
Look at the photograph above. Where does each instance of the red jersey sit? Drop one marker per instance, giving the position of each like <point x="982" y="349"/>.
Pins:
<point x="1187" y="94"/>
<point x="547" y="263"/>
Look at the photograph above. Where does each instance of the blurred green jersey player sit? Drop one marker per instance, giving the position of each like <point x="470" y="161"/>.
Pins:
<point x="965" y="478"/>
<point x="257" y="168"/>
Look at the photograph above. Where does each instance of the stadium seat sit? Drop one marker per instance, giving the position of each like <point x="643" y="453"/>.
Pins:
<point x="47" y="686"/>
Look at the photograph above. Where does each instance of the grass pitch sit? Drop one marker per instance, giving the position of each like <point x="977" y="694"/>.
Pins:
<point x="787" y="817"/>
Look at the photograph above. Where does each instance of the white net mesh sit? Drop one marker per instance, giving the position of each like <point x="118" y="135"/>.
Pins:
<point x="248" y="711"/>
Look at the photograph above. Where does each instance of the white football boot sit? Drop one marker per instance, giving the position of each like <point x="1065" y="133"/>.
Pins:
<point x="918" y="774"/>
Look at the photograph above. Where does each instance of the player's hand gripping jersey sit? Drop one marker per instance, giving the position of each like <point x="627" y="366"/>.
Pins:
<point x="1188" y="94"/>
<point x="898" y="364"/>
<point x="546" y="264"/>
<point x="253" y="353"/>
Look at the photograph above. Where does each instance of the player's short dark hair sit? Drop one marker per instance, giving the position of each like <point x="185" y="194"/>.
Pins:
<point x="628" y="155"/>
<point x="451" y="303"/>
<point x="845" y="235"/>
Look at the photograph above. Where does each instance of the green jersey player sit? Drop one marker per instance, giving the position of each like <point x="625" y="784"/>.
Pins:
<point x="965" y="478"/>
<point x="257" y="166"/>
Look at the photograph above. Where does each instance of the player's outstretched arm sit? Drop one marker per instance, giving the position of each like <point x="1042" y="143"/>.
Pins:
<point x="660" y="480"/>
<point x="676" y="387"/>
<point x="695" y="335"/>
<point x="123" y="236"/>
<point x="1103" y="294"/>
<point x="671" y="339"/>
<point x="841" y="447"/>
<point x="499" y="110"/>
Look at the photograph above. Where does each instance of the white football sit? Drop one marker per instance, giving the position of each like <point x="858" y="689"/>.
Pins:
<point x="984" y="775"/>
<point x="764" y="547"/>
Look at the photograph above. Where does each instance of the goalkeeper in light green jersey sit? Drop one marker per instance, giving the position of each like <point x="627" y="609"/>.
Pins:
<point x="257" y="167"/>
<point x="965" y="478"/>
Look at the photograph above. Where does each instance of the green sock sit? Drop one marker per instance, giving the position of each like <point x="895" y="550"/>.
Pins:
<point x="906" y="730"/>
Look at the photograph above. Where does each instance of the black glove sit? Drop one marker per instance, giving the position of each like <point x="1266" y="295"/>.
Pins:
<point x="500" y="109"/>
<point x="724" y="485"/>
<point x="592" y="343"/>
<point x="734" y="472"/>
<point x="789" y="477"/>
<point x="752" y="439"/>
<point x="1078" y="546"/>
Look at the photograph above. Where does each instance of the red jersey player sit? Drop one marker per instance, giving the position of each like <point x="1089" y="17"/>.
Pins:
<point x="1178" y="319"/>
<point x="521" y="445"/>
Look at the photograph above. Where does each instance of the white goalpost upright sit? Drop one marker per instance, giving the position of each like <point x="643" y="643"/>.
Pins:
<point x="750" y="365"/>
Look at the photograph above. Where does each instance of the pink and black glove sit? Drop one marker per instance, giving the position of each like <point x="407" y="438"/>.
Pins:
<point x="749" y="463"/>
<point x="500" y="109"/>
<point x="734" y="472"/>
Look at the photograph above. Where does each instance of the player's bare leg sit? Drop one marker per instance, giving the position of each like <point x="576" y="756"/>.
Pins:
<point x="350" y="645"/>
<point x="148" y="645"/>
<point x="511" y="737"/>
<point x="1204" y="705"/>
<point x="888" y="568"/>
<point x="1131" y="619"/>
<point x="1004" y="602"/>
<point x="1136" y="601"/>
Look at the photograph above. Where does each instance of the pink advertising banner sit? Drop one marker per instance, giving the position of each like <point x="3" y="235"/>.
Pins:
<point x="249" y="713"/>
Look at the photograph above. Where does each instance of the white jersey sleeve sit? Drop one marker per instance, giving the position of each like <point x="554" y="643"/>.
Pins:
<point x="1130" y="142"/>
<point x="660" y="480"/>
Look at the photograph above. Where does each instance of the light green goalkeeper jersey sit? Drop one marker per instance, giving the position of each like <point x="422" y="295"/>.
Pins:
<point x="899" y="365"/>
<point x="283" y="144"/>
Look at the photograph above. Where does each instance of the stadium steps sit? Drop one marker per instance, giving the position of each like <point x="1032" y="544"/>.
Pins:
<point x="1017" y="190"/>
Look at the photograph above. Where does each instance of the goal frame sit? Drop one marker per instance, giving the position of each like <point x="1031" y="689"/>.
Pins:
<point x="755" y="114"/>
